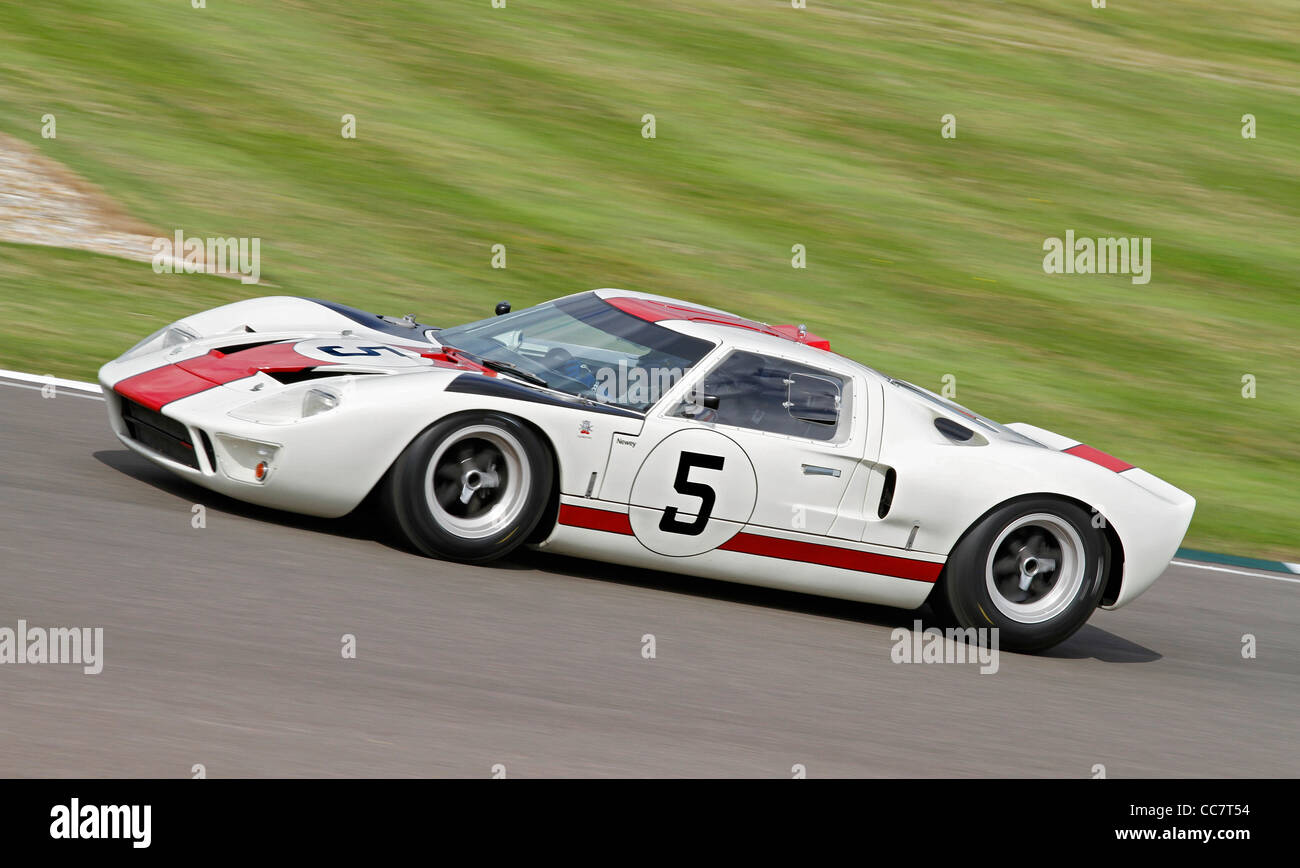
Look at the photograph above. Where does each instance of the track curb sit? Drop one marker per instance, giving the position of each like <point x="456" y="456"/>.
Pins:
<point x="1238" y="561"/>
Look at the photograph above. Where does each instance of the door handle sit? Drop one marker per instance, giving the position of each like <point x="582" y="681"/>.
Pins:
<point x="816" y="470"/>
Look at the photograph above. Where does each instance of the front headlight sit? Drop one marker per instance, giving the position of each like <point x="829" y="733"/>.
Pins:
<point x="289" y="406"/>
<point x="165" y="338"/>
<point x="176" y="335"/>
<point x="318" y="401"/>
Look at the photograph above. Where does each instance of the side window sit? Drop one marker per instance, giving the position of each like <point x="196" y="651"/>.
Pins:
<point x="764" y="393"/>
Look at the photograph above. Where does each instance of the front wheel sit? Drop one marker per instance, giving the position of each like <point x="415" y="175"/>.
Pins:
<point x="470" y="488"/>
<point x="1034" y="569"/>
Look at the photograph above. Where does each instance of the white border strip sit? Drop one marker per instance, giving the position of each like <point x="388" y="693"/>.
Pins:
<point x="1237" y="572"/>
<point x="86" y="396"/>
<point x="51" y="381"/>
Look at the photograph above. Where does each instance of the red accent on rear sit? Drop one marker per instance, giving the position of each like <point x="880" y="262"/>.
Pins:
<point x="161" y="386"/>
<point x="654" y="311"/>
<point x="772" y="547"/>
<point x="1096" y="456"/>
<point x="657" y="311"/>
<point x="595" y="519"/>
<point x="791" y="333"/>
<point x="833" y="556"/>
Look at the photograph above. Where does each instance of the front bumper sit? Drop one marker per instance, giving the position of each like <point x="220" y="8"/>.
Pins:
<point x="200" y="442"/>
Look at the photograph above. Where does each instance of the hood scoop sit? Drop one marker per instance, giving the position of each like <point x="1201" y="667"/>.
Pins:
<point x="288" y="378"/>
<point x="250" y="345"/>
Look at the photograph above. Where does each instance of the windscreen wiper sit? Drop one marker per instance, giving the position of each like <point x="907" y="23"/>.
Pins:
<point x="514" y="370"/>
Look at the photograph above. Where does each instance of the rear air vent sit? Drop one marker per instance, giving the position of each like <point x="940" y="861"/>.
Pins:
<point x="953" y="430"/>
<point x="887" y="493"/>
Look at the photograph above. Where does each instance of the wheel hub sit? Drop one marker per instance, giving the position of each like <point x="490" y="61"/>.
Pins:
<point x="477" y="481"/>
<point x="1031" y="565"/>
<point x="474" y="480"/>
<point x="1035" y="568"/>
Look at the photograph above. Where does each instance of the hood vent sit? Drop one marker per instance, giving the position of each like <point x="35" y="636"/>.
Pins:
<point x="290" y="377"/>
<point x="239" y="348"/>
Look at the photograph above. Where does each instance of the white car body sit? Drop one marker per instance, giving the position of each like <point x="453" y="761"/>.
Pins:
<point x="791" y="513"/>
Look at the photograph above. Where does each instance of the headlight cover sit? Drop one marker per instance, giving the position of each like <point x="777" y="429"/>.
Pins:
<point x="166" y="338"/>
<point x="288" y="406"/>
<point x="318" y="401"/>
<point x="176" y="335"/>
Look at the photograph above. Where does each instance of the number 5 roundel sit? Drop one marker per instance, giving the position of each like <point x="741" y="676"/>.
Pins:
<point x="693" y="492"/>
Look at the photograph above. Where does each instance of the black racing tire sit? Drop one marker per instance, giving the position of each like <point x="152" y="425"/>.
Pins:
<point x="470" y="488"/>
<point x="939" y="605"/>
<point x="984" y="581"/>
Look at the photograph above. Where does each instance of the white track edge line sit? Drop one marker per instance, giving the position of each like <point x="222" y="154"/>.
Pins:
<point x="1237" y="572"/>
<point x="86" y="396"/>
<point x="55" y="381"/>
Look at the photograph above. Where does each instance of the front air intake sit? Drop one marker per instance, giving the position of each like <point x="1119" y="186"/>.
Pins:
<point x="157" y="432"/>
<point x="208" y="450"/>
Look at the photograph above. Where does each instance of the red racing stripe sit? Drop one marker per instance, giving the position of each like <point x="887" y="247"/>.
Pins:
<point x="1096" y="456"/>
<point x="833" y="556"/>
<point x="169" y="383"/>
<point x="222" y="369"/>
<point x="161" y="386"/>
<point x="772" y="547"/>
<point x="595" y="519"/>
<point x="657" y="311"/>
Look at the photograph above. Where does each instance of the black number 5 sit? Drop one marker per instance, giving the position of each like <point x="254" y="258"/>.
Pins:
<point x="670" y="523"/>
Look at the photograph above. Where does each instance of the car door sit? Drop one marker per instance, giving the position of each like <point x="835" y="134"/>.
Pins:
<point x="757" y="439"/>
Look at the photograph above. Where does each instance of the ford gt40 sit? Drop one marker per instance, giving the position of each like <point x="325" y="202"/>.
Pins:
<point x="645" y="431"/>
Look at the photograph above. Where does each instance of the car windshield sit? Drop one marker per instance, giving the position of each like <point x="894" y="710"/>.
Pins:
<point x="584" y="346"/>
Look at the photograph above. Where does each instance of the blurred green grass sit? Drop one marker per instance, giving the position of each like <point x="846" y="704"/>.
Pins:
<point x="775" y="126"/>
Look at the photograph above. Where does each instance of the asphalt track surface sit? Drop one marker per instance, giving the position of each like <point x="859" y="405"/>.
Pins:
<point x="222" y="648"/>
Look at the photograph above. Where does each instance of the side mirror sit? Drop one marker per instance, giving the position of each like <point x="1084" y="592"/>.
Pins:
<point x="696" y="406"/>
<point x="503" y="307"/>
<point x="813" y="399"/>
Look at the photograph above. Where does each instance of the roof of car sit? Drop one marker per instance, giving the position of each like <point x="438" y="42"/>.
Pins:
<point x="657" y="308"/>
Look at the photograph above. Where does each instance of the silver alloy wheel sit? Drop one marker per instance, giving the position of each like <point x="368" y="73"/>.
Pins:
<point x="1035" y="568"/>
<point x="477" y="481"/>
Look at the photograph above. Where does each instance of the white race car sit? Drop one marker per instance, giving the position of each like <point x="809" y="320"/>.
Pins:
<point x="644" y="431"/>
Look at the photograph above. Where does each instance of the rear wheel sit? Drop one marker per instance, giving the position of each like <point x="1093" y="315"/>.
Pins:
<point x="470" y="488"/>
<point x="1034" y="569"/>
